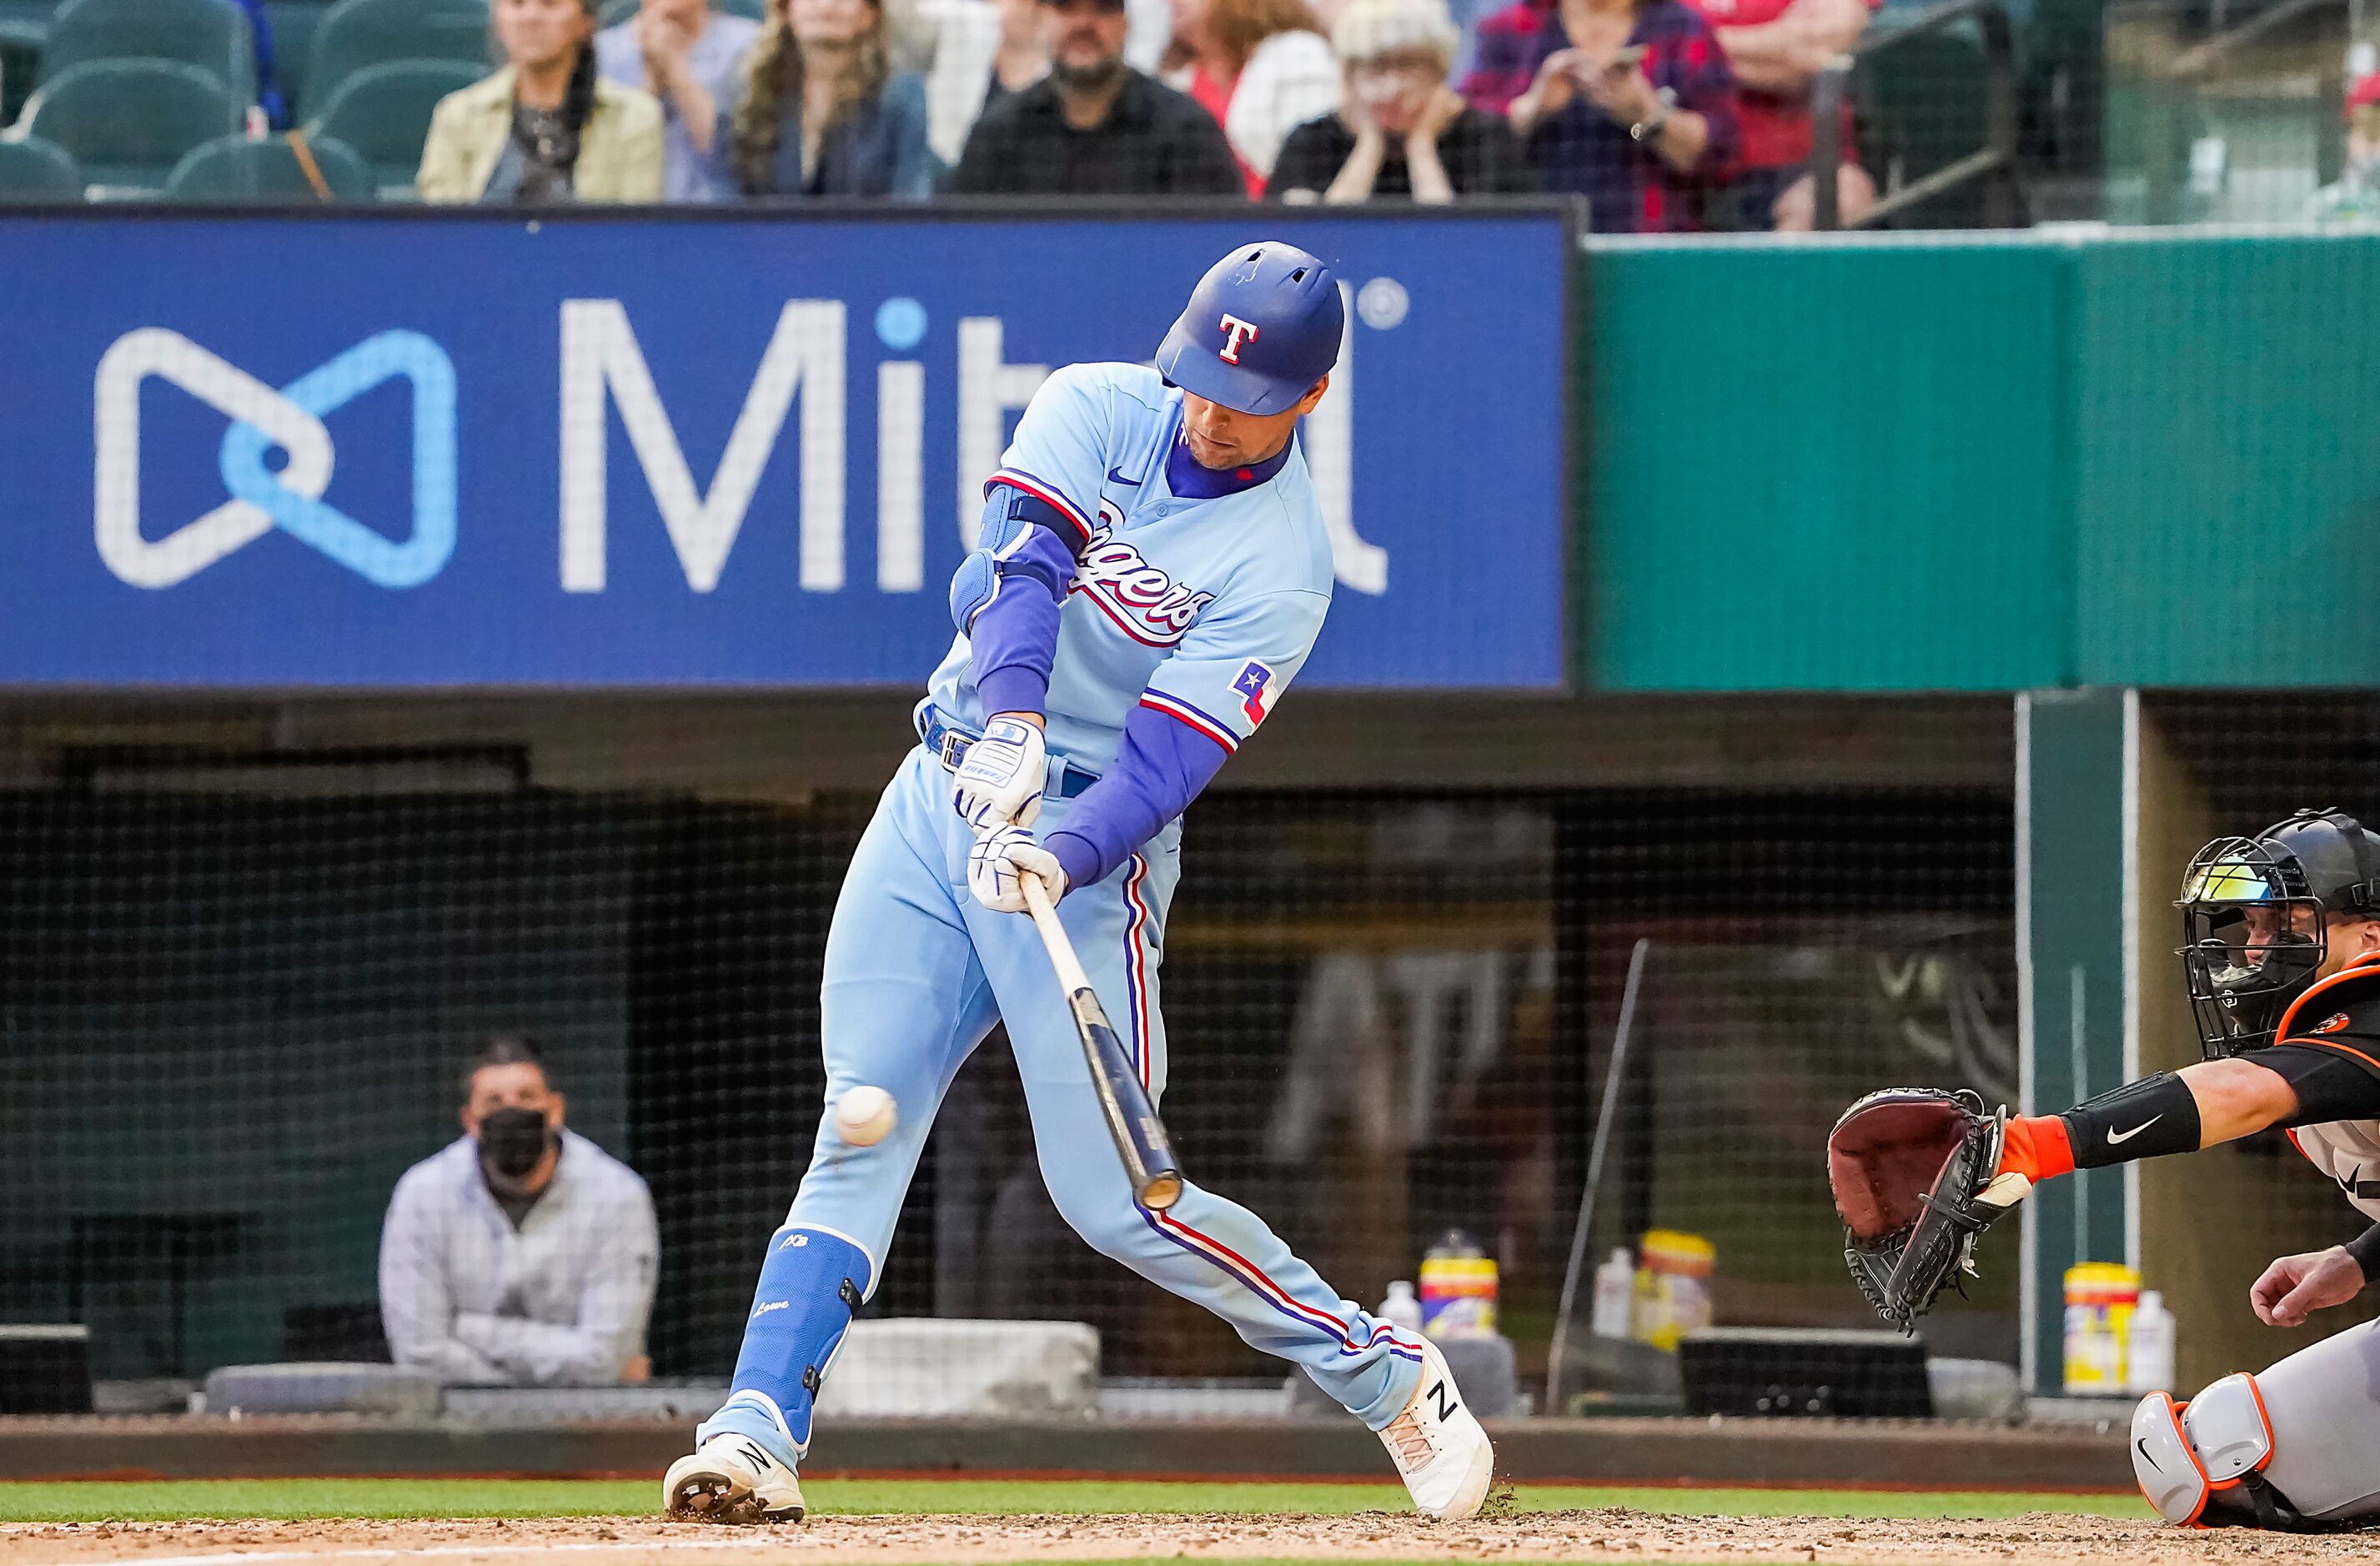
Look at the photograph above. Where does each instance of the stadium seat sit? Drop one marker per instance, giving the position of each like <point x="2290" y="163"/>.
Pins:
<point x="384" y="113"/>
<point x="210" y="35"/>
<point x="21" y="63"/>
<point x="293" y="23"/>
<point x="128" y="122"/>
<point x="356" y="35"/>
<point x="33" y="170"/>
<point x="233" y="168"/>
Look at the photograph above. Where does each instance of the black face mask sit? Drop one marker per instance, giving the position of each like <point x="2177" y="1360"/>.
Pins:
<point x="511" y="1142"/>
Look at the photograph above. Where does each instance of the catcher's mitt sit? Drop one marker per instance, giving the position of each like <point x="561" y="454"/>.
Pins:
<point x="1908" y="1166"/>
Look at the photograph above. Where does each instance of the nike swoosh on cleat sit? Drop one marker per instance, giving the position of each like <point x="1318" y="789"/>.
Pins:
<point x="1115" y="477"/>
<point x="2143" y="1444"/>
<point x="2116" y="1136"/>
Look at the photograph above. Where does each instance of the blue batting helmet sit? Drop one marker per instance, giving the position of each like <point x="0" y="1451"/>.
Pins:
<point x="1260" y="328"/>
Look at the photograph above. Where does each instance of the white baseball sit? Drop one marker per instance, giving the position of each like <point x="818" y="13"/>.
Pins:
<point x="863" y="1116"/>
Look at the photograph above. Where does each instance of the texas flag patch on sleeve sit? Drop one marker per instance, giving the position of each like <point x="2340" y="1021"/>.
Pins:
<point x="1255" y="685"/>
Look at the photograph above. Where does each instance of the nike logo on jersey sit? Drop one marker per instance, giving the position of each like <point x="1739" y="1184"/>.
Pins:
<point x="2116" y="1136"/>
<point x="1116" y="476"/>
<point x="1147" y="605"/>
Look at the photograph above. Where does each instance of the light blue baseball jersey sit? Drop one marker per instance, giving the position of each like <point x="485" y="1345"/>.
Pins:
<point x="1203" y="609"/>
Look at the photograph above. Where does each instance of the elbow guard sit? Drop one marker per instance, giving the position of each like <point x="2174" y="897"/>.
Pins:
<point x="973" y="586"/>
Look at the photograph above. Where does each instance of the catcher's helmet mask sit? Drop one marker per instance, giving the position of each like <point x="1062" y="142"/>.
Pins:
<point x="2255" y="914"/>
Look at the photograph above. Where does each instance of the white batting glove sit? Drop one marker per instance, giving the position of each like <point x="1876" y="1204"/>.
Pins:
<point x="999" y="783"/>
<point x="996" y="861"/>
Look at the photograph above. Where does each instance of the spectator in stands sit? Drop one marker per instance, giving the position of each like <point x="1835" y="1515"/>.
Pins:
<point x="684" y="54"/>
<point x="2354" y="197"/>
<point x="820" y="111"/>
<point x="987" y="51"/>
<point x="1094" y="125"/>
<point x="1261" y="67"/>
<point x="1628" y="102"/>
<point x="1400" y="130"/>
<point x="521" y="1253"/>
<point x="1776" y="48"/>
<point x="545" y="127"/>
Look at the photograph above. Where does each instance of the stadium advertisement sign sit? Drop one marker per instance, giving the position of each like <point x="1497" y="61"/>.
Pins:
<point x="438" y="450"/>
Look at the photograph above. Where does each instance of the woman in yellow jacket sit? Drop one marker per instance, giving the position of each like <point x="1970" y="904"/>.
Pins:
<point x="545" y="127"/>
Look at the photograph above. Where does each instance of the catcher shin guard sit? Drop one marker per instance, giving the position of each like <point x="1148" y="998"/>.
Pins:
<point x="1914" y="1171"/>
<point x="2188" y="1455"/>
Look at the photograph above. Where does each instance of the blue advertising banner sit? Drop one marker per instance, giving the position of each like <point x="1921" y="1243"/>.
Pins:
<point x="644" y="451"/>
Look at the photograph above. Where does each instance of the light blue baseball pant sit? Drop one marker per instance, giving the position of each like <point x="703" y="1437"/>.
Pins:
<point x="917" y="972"/>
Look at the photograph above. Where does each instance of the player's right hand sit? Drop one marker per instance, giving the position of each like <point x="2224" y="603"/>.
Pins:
<point x="999" y="783"/>
<point x="1000" y="860"/>
<point x="2295" y="1285"/>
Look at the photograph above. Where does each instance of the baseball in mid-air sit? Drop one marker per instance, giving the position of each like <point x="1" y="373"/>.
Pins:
<point x="863" y="1116"/>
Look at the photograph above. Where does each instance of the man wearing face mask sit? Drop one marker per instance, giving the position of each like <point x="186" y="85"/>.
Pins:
<point x="520" y="1254"/>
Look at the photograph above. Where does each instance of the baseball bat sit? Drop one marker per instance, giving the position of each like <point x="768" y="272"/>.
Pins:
<point x="1139" y="1135"/>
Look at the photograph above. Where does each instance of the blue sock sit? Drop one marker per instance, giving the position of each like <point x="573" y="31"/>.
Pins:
<point x="812" y="1281"/>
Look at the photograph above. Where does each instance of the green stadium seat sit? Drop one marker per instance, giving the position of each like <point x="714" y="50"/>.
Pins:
<point x="384" y="113"/>
<point x="210" y="35"/>
<point x="33" y="170"/>
<point x="1921" y="109"/>
<point x="294" y="23"/>
<point x="20" y="64"/>
<point x="233" y="168"/>
<point x="355" y="35"/>
<point x="128" y="122"/>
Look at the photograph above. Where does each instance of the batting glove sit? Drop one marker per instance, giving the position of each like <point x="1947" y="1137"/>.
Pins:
<point x="999" y="783"/>
<point x="999" y="857"/>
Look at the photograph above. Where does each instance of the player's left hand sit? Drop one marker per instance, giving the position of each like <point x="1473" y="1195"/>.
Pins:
<point x="999" y="783"/>
<point x="2294" y="1285"/>
<point x="998" y="858"/>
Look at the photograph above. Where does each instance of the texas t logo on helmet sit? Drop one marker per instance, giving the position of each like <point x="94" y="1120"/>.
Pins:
<point x="1235" y="332"/>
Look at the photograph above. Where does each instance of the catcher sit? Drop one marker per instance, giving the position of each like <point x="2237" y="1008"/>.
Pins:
<point x="2281" y="952"/>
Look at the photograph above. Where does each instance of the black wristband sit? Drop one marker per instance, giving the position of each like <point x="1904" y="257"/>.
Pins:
<point x="2140" y="1119"/>
<point x="2365" y="1249"/>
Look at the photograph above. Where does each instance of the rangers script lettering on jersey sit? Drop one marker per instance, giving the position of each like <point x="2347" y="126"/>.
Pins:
<point x="1197" y="593"/>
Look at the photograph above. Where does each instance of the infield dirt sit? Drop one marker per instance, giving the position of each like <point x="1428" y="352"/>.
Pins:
<point x="1598" y="1536"/>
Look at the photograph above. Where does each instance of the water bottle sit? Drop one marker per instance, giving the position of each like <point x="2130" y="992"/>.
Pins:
<point x="1615" y="1294"/>
<point x="2149" y="1349"/>
<point x="1458" y="1288"/>
<point x="1402" y="1309"/>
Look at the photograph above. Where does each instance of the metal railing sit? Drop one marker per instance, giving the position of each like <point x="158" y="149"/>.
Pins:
<point x="1994" y="163"/>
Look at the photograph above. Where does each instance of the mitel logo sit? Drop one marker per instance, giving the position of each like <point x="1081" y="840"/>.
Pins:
<point x="263" y="417"/>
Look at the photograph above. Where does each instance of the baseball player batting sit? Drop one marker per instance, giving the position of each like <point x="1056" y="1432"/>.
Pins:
<point x="2281" y="953"/>
<point x="1151" y="574"/>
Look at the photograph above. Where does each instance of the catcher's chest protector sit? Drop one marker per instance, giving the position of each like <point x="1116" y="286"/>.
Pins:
<point x="2348" y="1152"/>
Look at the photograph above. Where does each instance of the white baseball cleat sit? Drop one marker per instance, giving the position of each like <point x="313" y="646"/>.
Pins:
<point x="1441" y="1452"/>
<point x="731" y="1479"/>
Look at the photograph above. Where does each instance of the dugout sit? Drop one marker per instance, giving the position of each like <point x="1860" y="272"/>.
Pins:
<point x="248" y="940"/>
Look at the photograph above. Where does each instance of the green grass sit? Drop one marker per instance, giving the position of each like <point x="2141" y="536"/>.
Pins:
<point x="289" y="1499"/>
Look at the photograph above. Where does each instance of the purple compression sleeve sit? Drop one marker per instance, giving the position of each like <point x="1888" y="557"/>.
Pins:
<point x="1160" y="768"/>
<point x="1014" y="636"/>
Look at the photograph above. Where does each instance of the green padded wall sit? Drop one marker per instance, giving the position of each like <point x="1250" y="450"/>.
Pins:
<point x="1980" y="463"/>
